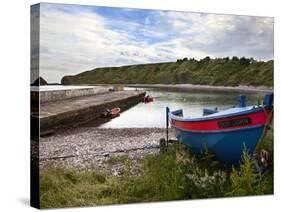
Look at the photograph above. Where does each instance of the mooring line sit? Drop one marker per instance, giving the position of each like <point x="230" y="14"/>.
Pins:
<point x="111" y="152"/>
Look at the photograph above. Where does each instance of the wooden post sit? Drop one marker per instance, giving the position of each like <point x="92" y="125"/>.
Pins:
<point x="162" y="144"/>
<point x="167" y="125"/>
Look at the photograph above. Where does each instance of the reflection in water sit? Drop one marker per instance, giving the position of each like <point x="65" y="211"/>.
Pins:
<point x="191" y="101"/>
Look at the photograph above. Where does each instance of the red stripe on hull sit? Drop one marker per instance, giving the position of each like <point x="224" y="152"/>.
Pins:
<point x="258" y="118"/>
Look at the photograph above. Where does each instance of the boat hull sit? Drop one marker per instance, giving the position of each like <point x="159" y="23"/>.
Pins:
<point x="226" y="146"/>
<point x="147" y="99"/>
<point x="226" y="133"/>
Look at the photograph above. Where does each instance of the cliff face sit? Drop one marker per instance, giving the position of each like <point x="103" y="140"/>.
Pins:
<point x="221" y="71"/>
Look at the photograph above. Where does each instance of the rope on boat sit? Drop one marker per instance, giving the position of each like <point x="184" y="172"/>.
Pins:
<point x="264" y="154"/>
<point x="266" y="126"/>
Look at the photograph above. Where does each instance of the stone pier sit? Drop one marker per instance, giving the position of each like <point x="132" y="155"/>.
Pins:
<point x="79" y="110"/>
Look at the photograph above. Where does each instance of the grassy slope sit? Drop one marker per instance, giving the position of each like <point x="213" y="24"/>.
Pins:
<point x="226" y="72"/>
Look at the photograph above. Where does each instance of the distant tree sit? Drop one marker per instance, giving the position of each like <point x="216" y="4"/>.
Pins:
<point x="234" y="58"/>
<point x="184" y="59"/>
<point x="244" y="61"/>
<point x="206" y="59"/>
<point x="252" y="60"/>
<point x="226" y="59"/>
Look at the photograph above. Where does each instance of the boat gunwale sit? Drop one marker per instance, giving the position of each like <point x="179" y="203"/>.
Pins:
<point x="208" y="118"/>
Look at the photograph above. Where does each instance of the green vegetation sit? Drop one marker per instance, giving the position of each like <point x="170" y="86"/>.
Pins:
<point x="218" y="72"/>
<point x="117" y="159"/>
<point x="245" y="181"/>
<point x="173" y="174"/>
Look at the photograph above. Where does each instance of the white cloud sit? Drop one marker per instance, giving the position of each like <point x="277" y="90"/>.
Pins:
<point x="71" y="43"/>
<point x="77" y="40"/>
<point x="225" y="35"/>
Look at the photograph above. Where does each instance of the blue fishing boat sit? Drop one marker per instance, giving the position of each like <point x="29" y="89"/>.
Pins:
<point x="225" y="133"/>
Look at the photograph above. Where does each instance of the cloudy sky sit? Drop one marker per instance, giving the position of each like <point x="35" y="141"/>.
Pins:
<point x="77" y="38"/>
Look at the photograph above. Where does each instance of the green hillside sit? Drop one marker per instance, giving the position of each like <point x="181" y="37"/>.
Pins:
<point x="221" y="71"/>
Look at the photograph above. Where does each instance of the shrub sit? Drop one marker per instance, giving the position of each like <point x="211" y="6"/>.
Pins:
<point x="246" y="180"/>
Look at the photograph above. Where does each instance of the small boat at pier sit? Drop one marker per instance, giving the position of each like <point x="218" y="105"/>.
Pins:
<point x="112" y="113"/>
<point x="225" y="133"/>
<point x="147" y="99"/>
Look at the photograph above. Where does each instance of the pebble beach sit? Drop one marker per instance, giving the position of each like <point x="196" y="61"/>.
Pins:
<point x="90" y="148"/>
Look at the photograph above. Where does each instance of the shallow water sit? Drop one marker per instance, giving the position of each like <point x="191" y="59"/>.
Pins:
<point x="191" y="101"/>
